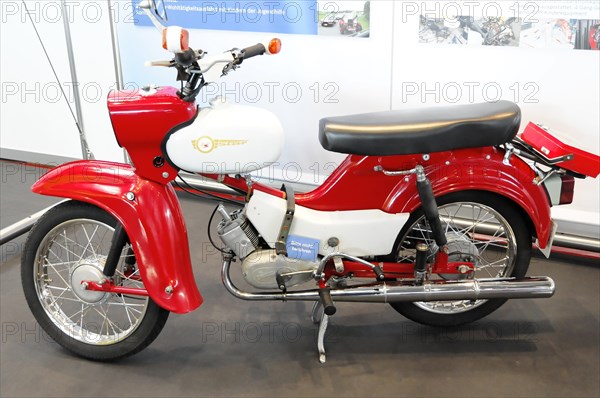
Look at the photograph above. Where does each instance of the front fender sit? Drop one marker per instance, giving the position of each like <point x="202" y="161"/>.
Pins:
<point x="482" y="169"/>
<point x="153" y="221"/>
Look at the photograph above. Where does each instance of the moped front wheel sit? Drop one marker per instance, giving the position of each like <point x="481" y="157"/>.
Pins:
<point x="69" y="244"/>
<point x="480" y="227"/>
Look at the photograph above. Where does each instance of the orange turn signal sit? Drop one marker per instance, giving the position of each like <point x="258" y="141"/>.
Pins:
<point x="185" y="40"/>
<point x="164" y="39"/>
<point x="169" y="39"/>
<point x="274" y="46"/>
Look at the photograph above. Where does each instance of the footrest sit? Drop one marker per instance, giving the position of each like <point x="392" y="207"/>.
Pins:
<point x="327" y="301"/>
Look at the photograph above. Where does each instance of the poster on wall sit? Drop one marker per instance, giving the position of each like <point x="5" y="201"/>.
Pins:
<point x="558" y="25"/>
<point x="305" y="17"/>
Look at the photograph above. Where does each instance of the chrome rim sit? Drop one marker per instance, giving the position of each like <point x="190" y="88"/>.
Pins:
<point x="475" y="232"/>
<point x="74" y="251"/>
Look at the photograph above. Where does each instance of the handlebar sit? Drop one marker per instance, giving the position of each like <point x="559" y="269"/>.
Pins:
<point x="198" y="69"/>
<point x="272" y="47"/>
<point x="253" y="51"/>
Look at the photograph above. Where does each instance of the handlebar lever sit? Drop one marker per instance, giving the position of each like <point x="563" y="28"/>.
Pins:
<point x="165" y="63"/>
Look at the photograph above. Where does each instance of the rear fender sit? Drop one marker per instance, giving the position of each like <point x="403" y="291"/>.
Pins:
<point x="152" y="219"/>
<point x="481" y="169"/>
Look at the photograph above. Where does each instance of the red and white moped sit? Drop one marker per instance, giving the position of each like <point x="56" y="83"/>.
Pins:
<point x="433" y="211"/>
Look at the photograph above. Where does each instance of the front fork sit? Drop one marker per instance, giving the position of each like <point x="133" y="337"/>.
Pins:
<point x="119" y="239"/>
<point x="118" y="242"/>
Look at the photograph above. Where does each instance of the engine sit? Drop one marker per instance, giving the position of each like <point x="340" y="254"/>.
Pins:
<point x="262" y="267"/>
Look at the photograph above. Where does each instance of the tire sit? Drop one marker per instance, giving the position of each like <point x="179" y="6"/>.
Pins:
<point x="513" y="238"/>
<point x="70" y="243"/>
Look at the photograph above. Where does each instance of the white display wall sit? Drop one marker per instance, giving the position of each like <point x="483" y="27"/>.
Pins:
<point x="313" y="77"/>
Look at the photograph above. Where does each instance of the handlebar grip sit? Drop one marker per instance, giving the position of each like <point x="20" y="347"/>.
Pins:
<point x="253" y="51"/>
<point x="165" y="63"/>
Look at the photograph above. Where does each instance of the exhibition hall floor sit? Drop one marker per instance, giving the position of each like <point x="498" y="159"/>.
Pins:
<point x="230" y="348"/>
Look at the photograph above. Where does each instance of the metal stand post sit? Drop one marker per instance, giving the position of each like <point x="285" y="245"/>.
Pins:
<point x="87" y="154"/>
<point x="114" y="35"/>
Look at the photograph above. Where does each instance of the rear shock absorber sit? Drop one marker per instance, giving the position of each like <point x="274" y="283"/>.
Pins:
<point x="430" y="207"/>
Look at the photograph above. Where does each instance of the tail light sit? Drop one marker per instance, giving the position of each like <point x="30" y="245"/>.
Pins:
<point x="567" y="189"/>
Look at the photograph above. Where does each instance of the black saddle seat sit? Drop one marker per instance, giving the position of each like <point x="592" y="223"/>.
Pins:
<point x="426" y="130"/>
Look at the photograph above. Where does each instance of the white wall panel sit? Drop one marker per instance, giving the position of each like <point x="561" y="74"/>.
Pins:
<point x="36" y="118"/>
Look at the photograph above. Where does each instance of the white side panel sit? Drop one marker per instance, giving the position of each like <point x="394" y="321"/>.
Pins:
<point x="360" y="232"/>
<point x="227" y="139"/>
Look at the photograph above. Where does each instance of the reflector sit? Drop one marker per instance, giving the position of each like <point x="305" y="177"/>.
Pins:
<point x="567" y="189"/>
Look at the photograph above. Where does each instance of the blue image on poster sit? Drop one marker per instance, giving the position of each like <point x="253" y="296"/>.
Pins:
<point x="284" y="16"/>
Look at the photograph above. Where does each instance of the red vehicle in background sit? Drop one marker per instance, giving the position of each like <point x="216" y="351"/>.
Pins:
<point x="349" y="24"/>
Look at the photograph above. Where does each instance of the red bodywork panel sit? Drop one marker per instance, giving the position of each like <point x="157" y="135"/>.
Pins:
<point x="153" y="221"/>
<point x="141" y="123"/>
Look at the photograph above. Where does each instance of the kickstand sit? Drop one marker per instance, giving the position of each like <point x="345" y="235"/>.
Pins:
<point x="319" y="316"/>
<point x="321" y="338"/>
<point x="314" y="316"/>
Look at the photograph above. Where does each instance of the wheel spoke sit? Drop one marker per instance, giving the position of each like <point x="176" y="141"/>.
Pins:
<point x="59" y="275"/>
<point x="74" y="242"/>
<point x="77" y="249"/>
<point x="89" y="242"/>
<point x="474" y="231"/>
<point x="59" y="263"/>
<point x="67" y="250"/>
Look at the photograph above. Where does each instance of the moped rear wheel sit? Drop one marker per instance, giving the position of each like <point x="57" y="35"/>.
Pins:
<point x="480" y="227"/>
<point x="69" y="244"/>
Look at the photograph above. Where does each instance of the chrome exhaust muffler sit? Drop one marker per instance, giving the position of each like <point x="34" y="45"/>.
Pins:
<point x="391" y="292"/>
<point x="397" y="291"/>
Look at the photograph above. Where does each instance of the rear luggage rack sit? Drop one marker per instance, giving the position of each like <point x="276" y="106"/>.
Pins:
<point x="536" y="143"/>
<point x="523" y="149"/>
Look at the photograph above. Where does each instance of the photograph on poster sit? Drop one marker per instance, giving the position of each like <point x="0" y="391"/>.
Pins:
<point x="549" y="33"/>
<point x="443" y="30"/>
<point x="578" y="34"/>
<point x="588" y="34"/>
<point x="345" y="18"/>
<point x="492" y="31"/>
<point x="497" y="31"/>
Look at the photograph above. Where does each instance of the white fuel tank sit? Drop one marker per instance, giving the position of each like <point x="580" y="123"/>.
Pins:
<point x="227" y="138"/>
